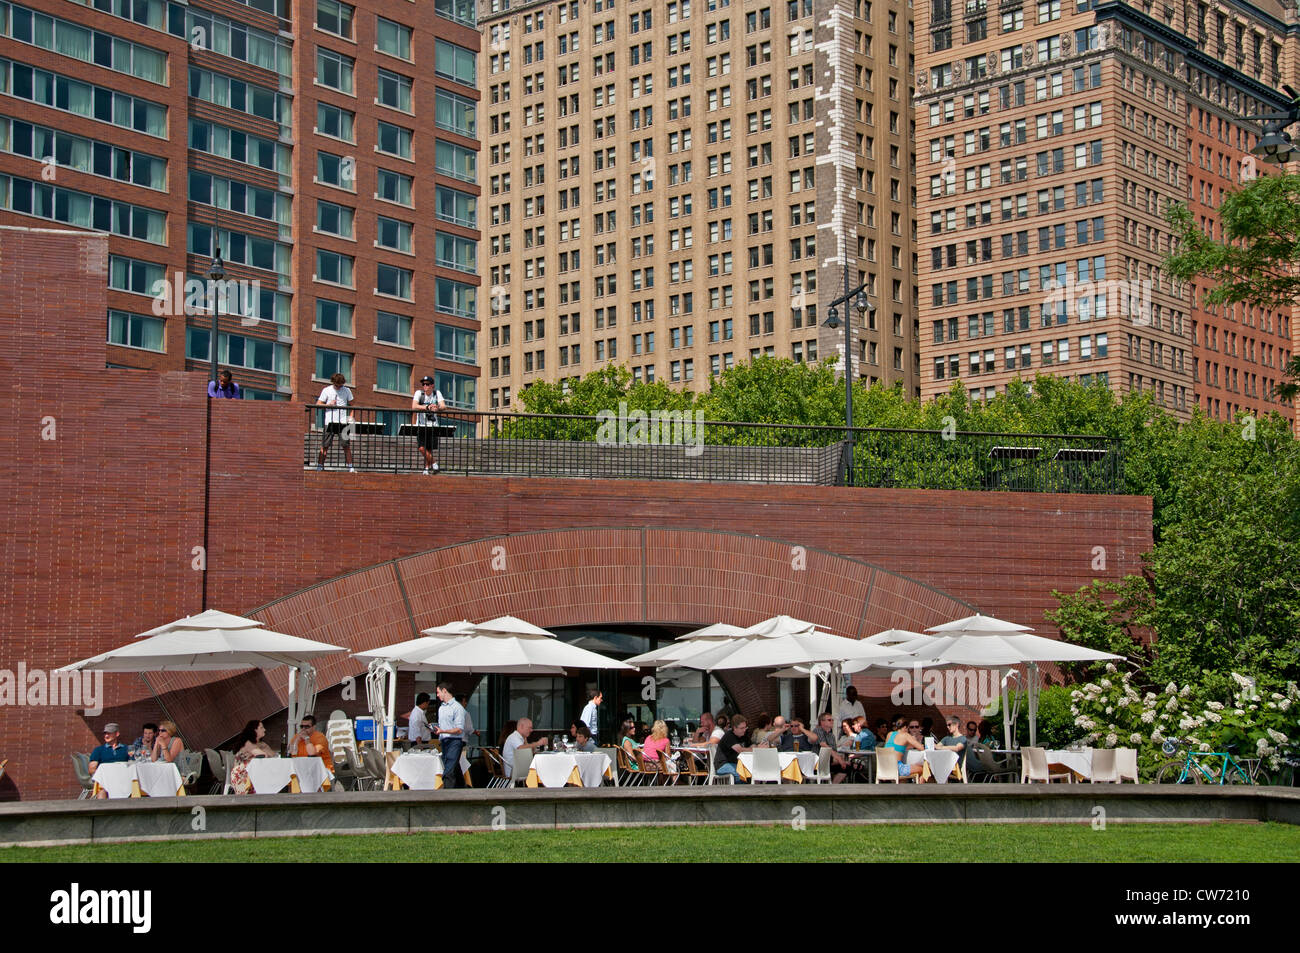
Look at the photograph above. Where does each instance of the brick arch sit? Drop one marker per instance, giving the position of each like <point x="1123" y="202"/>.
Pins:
<point x="577" y="577"/>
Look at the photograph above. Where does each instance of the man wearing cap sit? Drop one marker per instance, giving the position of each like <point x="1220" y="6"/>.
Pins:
<point x="111" y="750"/>
<point x="427" y="422"/>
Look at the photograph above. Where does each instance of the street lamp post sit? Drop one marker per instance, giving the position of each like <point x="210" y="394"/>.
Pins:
<point x="216" y="273"/>
<point x="1275" y="145"/>
<point x="859" y="297"/>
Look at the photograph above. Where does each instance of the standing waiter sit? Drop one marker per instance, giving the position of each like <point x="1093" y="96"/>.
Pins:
<point x="451" y="733"/>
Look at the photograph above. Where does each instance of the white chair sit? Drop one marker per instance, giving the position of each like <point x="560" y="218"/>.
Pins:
<point x="1126" y="764"/>
<point x="1033" y="767"/>
<point x="523" y="761"/>
<point x="1103" y="766"/>
<point x="228" y="767"/>
<point x="823" y="775"/>
<point x="887" y="761"/>
<point x="766" y="766"/>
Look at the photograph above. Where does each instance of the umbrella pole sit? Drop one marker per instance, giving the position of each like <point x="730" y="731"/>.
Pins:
<point x="1032" y="688"/>
<point x="390" y="721"/>
<point x="814" y="690"/>
<point x="1006" y="708"/>
<point x="293" y="693"/>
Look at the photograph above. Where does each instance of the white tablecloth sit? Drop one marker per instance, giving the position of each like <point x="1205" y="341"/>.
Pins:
<point x="419" y="771"/>
<point x="270" y="775"/>
<point x="941" y="762"/>
<point x="807" y="761"/>
<point x="554" y="768"/>
<point x="1080" y="762"/>
<point x="157" y="779"/>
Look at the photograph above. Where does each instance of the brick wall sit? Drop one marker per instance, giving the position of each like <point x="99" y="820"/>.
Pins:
<point x="98" y="528"/>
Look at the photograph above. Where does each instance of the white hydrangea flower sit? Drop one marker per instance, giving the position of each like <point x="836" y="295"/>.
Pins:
<point x="1214" y="706"/>
<point x="1261" y="744"/>
<point x="1214" y="717"/>
<point x="1110" y="667"/>
<point x="1172" y="704"/>
<point x="1076" y="694"/>
<point x="1277" y="736"/>
<point x="1204" y="747"/>
<point x="1252" y="708"/>
<point x="1149" y="698"/>
<point x="1238" y="711"/>
<point x="1284" y="704"/>
<point x="1171" y="689"/>
<point x="1111" y="740"/>
<point x="1135" y="738"/>
<point x="1186" y="690"/>
<point x="1110" y="710"/>
<point x="1105" y="683"/>
<point x="1157" y="736"/>
<point x="1276" y="697"/>
<point x="1243" y="681"/>
<point x="1148" y="717"/>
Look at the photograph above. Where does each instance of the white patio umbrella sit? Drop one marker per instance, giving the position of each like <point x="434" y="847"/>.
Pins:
<point x="218" y="641"/>
<point x="502" y="646"/>
<point x="981" y="641"/>
<point x="685" y="645"/>
<point x="785" y="644"/>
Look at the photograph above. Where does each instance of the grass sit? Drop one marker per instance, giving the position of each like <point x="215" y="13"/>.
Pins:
<point x="1119" y="843"/>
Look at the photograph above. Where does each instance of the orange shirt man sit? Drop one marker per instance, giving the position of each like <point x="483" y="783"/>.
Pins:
<point x="310" y="743"/>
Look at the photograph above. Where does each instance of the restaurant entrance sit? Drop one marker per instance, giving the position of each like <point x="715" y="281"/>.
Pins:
<point x="554" y="702"/>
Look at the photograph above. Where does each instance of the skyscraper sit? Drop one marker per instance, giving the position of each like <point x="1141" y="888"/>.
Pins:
<point x="1053" y="138"/>
<point x="681" y="186"/>
<point x="329" y="152"/>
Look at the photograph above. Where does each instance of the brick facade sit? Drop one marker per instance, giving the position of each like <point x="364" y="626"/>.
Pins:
<point x="100" y="525"/>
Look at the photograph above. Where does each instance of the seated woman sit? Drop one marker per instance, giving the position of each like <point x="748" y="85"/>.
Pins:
<point x="629" y="743"/>
<point x="900" y="740"/>
<point x="248" y="745"/>
<point x="168" y="745"/>
<point x="657" y="744"/>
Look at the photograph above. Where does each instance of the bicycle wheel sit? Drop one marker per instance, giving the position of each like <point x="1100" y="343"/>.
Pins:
<point x="1233" y="773"/>
<point x="1171" y="772"/>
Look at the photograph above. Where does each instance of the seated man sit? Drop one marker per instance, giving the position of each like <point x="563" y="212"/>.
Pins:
<point x="727" y="755"/>
<point x="583" y="738"/>
<point x="826" y="739"/>
<point x="798" y="738"/>
<point x="770" y="737"/>
<point x="954" y="741"/>
<point x="519" y="739"/>
<point x="143" y="746"/>
<point x="111" y="750"/>
<point x="310" y="743"/>
<point x="863" y="736"/>
<point x="705" y="731"/>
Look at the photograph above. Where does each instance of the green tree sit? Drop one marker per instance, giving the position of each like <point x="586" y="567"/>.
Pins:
<point x="1258" y="259"/>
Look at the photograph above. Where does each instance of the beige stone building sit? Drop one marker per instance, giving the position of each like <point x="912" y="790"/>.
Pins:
<point x="675" y="186"/>
<point x="1052" y="138"/>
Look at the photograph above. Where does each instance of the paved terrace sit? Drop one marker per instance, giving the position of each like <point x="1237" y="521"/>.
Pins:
<point x="673" y="446"/>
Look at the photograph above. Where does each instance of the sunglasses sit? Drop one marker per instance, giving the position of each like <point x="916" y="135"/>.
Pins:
<point x="910" y="727"/>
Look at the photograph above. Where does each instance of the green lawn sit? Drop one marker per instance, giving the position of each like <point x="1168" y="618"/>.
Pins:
<point x="1155" y="843"/>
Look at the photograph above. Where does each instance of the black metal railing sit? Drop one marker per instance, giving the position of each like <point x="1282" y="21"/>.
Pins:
<point x="660" y="445"/>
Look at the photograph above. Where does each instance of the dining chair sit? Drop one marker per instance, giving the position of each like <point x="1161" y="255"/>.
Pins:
<point x="495" y="767"/>
<point x="649" y="769"/>
<point x="1104" y="766"/>
<point x="523" y="761"/>
<point x="691" y="768"/>
<point x="81" y="765"/>
<point x="766" y="766"/>
<point x="374" y="762"/>
<point x="630" y="769"/>
<point x="228" y="767"/>
<point x="823" y="775"/>
<point x="1033" y="767"/>
<point x="887" y="760"/>
<point x="1126" y="764"/>
<point x="217" y="768"/>
<point x="990" y="767"/>
<point x="189" y="764"/>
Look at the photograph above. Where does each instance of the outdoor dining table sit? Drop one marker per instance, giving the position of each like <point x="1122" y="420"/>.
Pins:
<point x="795" y="765"/>
<point x="555" y="769"/>
<point x="1078" y="762"/>
<point x="418" y="770"/>
<point x="938" y="763"/>
<point x="271" y="775"/>
<point x="138" y="779"/>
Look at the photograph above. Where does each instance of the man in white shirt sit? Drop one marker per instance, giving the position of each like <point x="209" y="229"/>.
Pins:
<point x="519" y="739"/>
<point x="851" y="708"/>
<point x="417" y="731"/>
<point x="336" y="396"/>
<point x="590" y="714"/>
<point x="426" y="421"/>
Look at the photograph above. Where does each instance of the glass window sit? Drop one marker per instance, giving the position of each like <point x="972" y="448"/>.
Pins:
<point x="455" y="63"/>
<point x="393" y="38"/>
<point x="333" y="316"/>
<point x="334" y="70"/>
<point x="333" y="267"/>
<point x="392" y="376"/>
<point x="394" y="90"/>
<point x="394" y="234"/>
<point x="329" y="363"/>
<point x="456" y="252"/>
<point x="394" y="140"/>
<point x="335" y="122"/>
<point x="455" y="113"/>
<point x="393" y="187"/>
<point x="334" y="17"/>
<point x="391" y="280"/>
<point x="334" y="219"/>
<point x="393" y="329"/>
<point x="135" y="330"/>
<point x="459" y="208"/>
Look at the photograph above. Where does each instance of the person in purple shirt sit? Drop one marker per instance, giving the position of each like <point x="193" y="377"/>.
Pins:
<point x="227" y="388"/>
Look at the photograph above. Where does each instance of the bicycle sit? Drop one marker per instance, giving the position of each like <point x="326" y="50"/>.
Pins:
<point x="1199" y="767"/>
